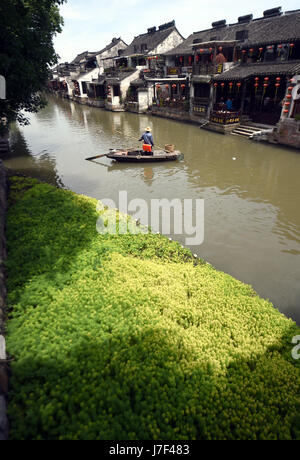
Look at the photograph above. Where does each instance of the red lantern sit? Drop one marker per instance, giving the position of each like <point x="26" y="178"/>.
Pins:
<point x="292" y="45"/>
<point x="260" y="50"/>
<point x="256" y="79"/>
<point x="215" y="85"/>
<point x="174" y="86"/>
<point x="266" y="79"/>
<point x="251" y="50"/>
<point x="286" y="111"/>
<point x="291" y="48"/>
<point x="270" y="47"/>
<point x="278" y="79"/>
<point x="182" y="86"/>
<point x="220" y="48"/>
<point x="287" y="104"/>
<point x="181" y="59"/>
<point x="280" y="46"/>
<point x="277" y="85"/>
<point x="210" y="50"/>
<point x="201" y="50"/>
<point x="239" y="86"/>
<point x="197" y="58"/>
<point x="290" y="88"/>
<point x="190" y="59"/>
<point x="243" y="51"/>
<point x="289" y="96"/>
<point x="292" y="81"/>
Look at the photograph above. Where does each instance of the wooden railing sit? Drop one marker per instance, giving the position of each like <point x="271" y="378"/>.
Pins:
<point x="224" y="118"/>
<point x="207" y="69"/>
<point x="182" y="105"/>
<point x="179" y="70"/>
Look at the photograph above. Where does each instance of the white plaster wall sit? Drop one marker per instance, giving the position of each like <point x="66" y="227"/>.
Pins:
<point x="113" y="52"/>
<point x="126" y="82"/>
<point x="88" y="77"/>
<point x="143" y="100"/>
<point x="173" y="40"/>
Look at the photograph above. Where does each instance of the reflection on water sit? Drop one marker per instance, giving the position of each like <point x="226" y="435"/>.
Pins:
<point x="252" y="203"/>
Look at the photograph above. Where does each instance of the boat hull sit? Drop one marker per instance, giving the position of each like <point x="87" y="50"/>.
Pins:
<point x="123" y="156"/>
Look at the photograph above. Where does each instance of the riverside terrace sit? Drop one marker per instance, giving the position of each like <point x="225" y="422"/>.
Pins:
<point x="250" y="61"/>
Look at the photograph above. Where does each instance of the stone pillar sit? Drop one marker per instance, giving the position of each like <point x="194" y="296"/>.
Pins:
<point x="3" y="364"/>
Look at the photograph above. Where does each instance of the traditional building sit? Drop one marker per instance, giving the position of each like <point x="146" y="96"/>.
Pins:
<point x="144" y="56"/>
<point x="249" y="62"/>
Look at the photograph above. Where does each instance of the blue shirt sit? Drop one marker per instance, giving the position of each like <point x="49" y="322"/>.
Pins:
<point x="229" y="105"/>
<point x="147" y="138"/>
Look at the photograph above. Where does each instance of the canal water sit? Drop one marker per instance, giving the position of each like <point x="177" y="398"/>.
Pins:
<point x="251" y="190"/>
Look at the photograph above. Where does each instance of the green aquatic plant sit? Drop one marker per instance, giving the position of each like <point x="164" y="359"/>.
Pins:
<point x="130" y="337"/>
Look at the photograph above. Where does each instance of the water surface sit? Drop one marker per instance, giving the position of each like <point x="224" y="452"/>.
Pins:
<point x="251" y="190"/>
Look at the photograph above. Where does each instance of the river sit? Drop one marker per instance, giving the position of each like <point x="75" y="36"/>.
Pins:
<point x="251" y="190"/>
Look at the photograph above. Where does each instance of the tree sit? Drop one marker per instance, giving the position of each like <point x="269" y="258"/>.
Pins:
<point x="27" y="28"/>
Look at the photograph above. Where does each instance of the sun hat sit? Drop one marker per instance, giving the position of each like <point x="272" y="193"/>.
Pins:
<point x="148" y="129"/>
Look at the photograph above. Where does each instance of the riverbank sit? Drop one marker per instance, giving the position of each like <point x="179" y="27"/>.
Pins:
<point x="131" y="337"/>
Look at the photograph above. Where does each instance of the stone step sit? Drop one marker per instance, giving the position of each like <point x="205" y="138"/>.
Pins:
<point x="245" y="130"/>
<point x="236" y="132"/>
<point x="251" y="128"/>
<point x="239" y="135"/>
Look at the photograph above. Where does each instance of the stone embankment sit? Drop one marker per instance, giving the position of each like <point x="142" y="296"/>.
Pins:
<point x="3" y="363"/>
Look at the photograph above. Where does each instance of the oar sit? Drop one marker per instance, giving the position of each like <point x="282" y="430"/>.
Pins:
<point x="97" y="156"/>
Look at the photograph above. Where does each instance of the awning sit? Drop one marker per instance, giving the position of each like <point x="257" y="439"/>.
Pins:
<point x="246" y="71"/>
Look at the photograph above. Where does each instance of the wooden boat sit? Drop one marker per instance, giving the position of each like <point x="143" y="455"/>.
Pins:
<point x="141" y="156"/>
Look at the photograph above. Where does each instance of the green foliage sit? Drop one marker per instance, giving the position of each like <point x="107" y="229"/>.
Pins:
<point x="128" y="337"/>
<point x="27" y="28"/>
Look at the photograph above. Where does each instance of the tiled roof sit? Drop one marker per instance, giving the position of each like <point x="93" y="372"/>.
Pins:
<point x="152" y="40"/>
<point x="111" y="45"/>
<point x="243" y="71"/>
<point x="277" y="29"/>
<point x="83" y="56"/>
<point x="117" y="76"/>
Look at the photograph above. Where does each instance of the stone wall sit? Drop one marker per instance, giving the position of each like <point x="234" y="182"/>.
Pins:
<point x="287" y="132"/>
<point x="3" y="364"/>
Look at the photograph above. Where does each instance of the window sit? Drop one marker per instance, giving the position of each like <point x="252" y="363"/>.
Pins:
<point x="84" y="87"/>
<point x="117" y="91"/>
<point x="144" y="47"/>
<point x="242" y="35"/>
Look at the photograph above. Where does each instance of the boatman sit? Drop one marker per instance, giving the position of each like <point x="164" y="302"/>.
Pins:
<point x="148" y="141"/>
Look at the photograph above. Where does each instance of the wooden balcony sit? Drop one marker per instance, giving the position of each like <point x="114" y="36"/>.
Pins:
<point x="176" y="71"/>
<point x="224" y="117"/>
<point x="207" y="69"/>
<point x="178" y="104"/>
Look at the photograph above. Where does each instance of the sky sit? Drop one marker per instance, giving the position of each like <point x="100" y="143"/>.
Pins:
<point x="90" y="25"/>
